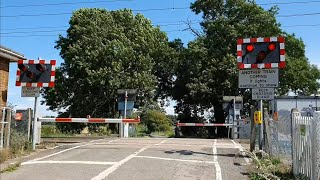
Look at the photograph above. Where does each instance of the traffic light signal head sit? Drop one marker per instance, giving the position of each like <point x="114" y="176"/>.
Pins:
<point x="261" y="53"/>
<point x="36" y="74"/>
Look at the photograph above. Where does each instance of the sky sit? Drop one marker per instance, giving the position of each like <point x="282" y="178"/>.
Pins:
<point x="32" y="27"/>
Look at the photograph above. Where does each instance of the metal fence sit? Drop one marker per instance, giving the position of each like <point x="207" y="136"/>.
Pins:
<point x="278" y="139"/>
<point x="295" y="138"/>
<point x="305" y="145"/>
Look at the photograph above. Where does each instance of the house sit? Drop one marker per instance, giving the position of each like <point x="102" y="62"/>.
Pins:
<point x="7" y="56"/>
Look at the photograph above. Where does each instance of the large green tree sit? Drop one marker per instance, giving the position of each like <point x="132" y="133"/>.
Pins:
<point x="105" y="51"/>
<point x="207" y="67"/>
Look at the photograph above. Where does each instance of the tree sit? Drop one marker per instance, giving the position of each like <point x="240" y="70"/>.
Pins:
<point x="105" y="51"/>
<point x="299" y="77"/>
<point x="207" y="69"/>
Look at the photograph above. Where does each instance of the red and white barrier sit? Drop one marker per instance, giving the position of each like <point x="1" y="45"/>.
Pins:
<point x="89" y="120"/>
<point x="203" y="124"/>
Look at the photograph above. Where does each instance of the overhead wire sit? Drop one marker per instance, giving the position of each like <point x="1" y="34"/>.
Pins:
<point x="108" y="1"/>
<point x="64" y="3"/>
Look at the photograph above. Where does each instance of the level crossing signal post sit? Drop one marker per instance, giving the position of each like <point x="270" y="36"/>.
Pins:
<point x="32" y="75"/>
<point x="259" y="60"/>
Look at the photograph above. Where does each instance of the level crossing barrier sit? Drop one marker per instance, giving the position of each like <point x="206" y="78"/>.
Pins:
<point x="89" y="120"/>
<point x="203" y="124"/>
<point x="121" y="121"/>
<point x="206" y="125"/>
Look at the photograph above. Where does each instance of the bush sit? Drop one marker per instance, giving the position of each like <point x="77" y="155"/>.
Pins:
<point x="155" y="121"/>
<point x="99" y="129"/>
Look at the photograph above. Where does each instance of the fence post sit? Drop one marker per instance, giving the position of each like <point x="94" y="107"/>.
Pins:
<point x="253" y="130"/>
<point x="316" y="147"/>
<point x="8" y="132"/>
<point x="295" y="114"/>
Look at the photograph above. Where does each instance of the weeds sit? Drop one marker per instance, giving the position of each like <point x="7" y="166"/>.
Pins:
<point x="11" y="167"/>
<point x="265" y="167"/>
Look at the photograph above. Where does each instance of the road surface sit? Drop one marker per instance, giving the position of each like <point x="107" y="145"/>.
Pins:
<point x="136" y="158"/>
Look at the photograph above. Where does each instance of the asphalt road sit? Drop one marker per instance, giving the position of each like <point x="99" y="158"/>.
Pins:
<point x="136" y="158"/>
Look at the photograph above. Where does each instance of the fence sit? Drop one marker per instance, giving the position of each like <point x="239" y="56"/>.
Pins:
<point x="5" y="129"/>
<point x="305" y="145"/>
<point x="300" y="146"/>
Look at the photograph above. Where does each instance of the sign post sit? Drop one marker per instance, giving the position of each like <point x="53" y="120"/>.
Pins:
<point x="262" y="58"/>
<point x="32" y="75"/>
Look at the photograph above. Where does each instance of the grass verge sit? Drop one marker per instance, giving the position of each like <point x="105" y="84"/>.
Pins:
<point x="265" y="167"/>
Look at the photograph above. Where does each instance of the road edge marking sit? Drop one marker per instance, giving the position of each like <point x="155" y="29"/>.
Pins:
<point x="69" y="162"/>
<point x="241" y="149"/>
<point x="215" y="160"/>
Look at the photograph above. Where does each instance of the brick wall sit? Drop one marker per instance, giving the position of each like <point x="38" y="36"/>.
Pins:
<point x="4" y="77"/>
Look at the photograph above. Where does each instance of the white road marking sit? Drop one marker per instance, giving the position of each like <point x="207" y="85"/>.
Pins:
<point x="65" y="150"/>
<point x="69" y="162"/>
<point x="233" y="142"/>
<point x="170" y="159"/>
<point x="167" y="144"/>
<point x="241" y="150"/>
<point x="114" y="167"/>
<point x="215" y="160"/>
<point x="161" y="142"/>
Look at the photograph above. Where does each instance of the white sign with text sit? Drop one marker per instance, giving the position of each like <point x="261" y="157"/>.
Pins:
<point x="263" y="94"/>
<point x="259" y="78"/>
<point x="30" y="91"/>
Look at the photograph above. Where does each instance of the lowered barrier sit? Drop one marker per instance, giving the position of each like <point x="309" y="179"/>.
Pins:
<point x="203" y="124"/>
<point x="121" y="121"/>
<point x="89" y="120"/>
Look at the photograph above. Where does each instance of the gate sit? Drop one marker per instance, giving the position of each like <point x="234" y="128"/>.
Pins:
<point x="305" y="145"/>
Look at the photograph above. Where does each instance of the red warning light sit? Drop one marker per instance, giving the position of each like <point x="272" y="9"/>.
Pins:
<point x="271" y="46"/>
<point x="250" y="47"/>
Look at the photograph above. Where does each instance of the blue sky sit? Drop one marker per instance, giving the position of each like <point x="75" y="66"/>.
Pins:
<point x="35" y="36"/>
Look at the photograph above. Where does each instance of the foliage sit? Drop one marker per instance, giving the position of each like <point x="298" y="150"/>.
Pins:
<point x="206" y="69"/>
<point x="155" y="121"/>
<point x="54" y="130"/>
<point x="99" y="129"/>
<point x="105" y="51"/>
<point x="268" y="168"/>
<point x="19" y="145"/>
<point x="299" y="76"/>
<point x="11" y="167"/>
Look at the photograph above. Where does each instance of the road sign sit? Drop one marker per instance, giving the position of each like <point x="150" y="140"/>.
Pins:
<point x="121" y="104"/>
<point x="30" y="91"/>
<point x="33" y="73"/>
<point x="253" y="53"/>
<point x="263" y="94"/>
<point x="259" y="78"/>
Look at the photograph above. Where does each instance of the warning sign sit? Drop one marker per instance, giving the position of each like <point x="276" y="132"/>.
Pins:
<point x="259" y="78"/>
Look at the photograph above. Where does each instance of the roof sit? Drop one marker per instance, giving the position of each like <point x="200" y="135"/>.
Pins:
<point x="8" y="54"/>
